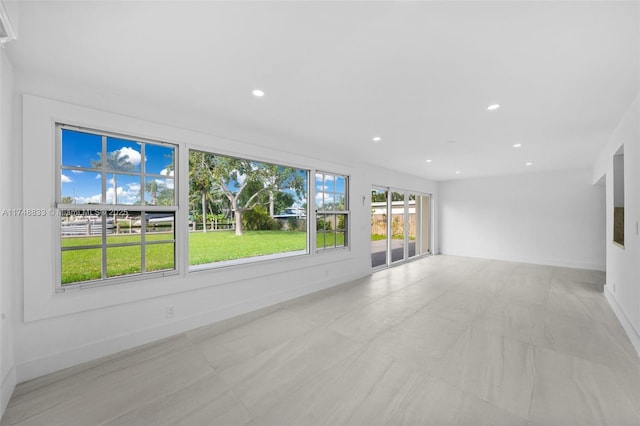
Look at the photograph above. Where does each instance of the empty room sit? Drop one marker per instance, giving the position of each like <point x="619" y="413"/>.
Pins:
<point x="319" y="212"/>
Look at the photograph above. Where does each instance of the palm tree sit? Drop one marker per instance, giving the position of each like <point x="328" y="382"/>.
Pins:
<point x="115" y="162"/>
<point x="152" y="188"/>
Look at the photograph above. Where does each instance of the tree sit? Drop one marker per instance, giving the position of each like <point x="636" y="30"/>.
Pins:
<point x="281" y="177"/>
<point x="241" y="181"/>
<point x="114" y="162"/>
<point x="201" y="167"/>
<point x="281" y="201"/>
<point x="377" y="197"/>
<point x="67" y="200"/>
<point x="152" y="187"/>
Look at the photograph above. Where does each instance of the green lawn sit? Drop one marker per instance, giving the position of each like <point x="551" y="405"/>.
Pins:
<point x="86" y="265"/>
<point x="210" y="247"/>
<point x="219" y="246"/>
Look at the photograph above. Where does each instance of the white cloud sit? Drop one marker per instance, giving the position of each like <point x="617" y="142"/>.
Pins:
<point x="65" y="179"/>
<point x="98" y="176"/>
<point x="77" y="171"/>
<point x="95" y="199"/>
<point x="167" y="183"/>
<point x="328" y="198"/>
<point x="129" y="194"/>
<point x="134" y="156"/>
<point x="165" y="172"/>
<point x="125" y="196"/>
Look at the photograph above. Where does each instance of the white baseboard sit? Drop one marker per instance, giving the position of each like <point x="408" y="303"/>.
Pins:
<point x="633" y="334"/>
<point x="74" y="356"/>
<point x="6" y="389"/>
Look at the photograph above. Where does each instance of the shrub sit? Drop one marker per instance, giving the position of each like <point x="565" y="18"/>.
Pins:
<point x="258" y="219"/>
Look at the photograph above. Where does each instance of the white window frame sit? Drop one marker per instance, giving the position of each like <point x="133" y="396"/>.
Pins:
<point x="345" y="212"/>
<point x="105" y="209"/>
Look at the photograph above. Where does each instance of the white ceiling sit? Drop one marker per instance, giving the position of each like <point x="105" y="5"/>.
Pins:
<point x="418" y="74"/>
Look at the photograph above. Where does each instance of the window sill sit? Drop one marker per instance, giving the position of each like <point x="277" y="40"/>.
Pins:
<point x="617" y="244"/>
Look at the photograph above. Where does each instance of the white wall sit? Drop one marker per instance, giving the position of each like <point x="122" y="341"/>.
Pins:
<point x="7" y="370"/>
<point x="54" y="331"/>
<point x="554" y="218"/>
<point x="623" y="269"/>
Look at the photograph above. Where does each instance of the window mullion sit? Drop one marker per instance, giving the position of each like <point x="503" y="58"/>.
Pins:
<point x="103" y="215"/>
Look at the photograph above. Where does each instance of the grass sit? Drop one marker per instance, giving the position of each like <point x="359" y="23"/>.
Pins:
<point x="86" y="265"/>
<point x="210" y="247"/>
<point x="219" y="246"/>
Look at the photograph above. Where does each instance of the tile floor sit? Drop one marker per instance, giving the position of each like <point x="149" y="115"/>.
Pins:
<point x="440" y="341"/>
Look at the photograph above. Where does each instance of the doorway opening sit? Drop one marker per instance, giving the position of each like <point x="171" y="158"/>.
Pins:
<point x="400" y="226"/>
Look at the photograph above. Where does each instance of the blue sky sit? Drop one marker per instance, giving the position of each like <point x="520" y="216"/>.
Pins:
<point x="80" y="149"/>
<point x="83" y="182"/>
<point x="329" y="189"/>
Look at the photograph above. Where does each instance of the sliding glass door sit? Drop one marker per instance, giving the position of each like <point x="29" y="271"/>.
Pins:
<point x="400" y="226"/>
<point x="379" y="227"/>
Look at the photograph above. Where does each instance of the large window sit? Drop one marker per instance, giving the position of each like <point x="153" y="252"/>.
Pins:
<point x="117" y="206"/>
<point x="244" y="210"/>
<point x="332" y="210"/>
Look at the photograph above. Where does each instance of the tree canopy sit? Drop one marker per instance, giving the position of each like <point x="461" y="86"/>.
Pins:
<point x="244" y="183"/>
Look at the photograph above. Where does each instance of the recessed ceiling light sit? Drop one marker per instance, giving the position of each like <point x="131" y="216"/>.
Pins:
<point x="258" y="93"/>
<point x="529" y="163"/>
<point x="493" y="107"/>
<point x="517" y="145"/>
<point x="428" y="161"/>
<point x="377" y="139"/>
<point x="458" y="172"/>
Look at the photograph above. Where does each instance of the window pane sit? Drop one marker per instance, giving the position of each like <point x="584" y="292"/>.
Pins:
<point x="321" y="227"/>
<point x="160" y="257"/>
<point x="271" y="199"/>
<point x="378" y="227"/>
<point x="159" y="192"/>
<point x="160" y="226"/>
<point x="123" y="229"/>
<point x="340" y="185"/>
<point x="320" y="191"/>
<point x="81" y="265"/>
<point x="397" y="226"/>
<point x="329" y="184"/>
<point x="123" y="261"/>
<point x="159" y="159"/>
<point x="123" y="189"/>
<point x="411" y="225"/>
<point x="80" y="228"/>
<point x="341" y="230"/>
<point x="80" y="149"/>
<point x="80" y="187"/>
<point x="123" y="155"/>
